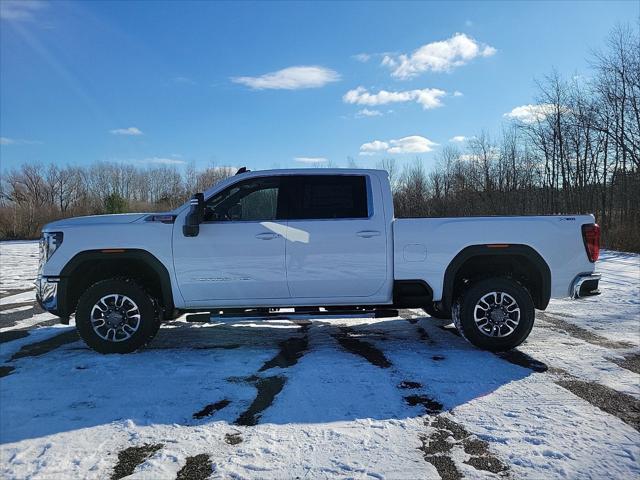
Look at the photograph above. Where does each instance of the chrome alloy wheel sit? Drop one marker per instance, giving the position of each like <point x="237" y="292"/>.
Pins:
<point x="497" y="314"/>
<point x="115" y="317"/>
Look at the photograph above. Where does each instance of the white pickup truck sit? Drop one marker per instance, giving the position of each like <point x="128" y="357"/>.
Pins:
<point x="323" y="242"/>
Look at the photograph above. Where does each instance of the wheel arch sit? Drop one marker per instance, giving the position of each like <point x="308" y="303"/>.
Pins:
<point x="518" y="260"/>
<point x="90" y="266"/>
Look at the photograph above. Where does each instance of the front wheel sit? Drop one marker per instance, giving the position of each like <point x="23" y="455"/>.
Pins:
<point x="117" y="316"/>
<point x="494" y="314"/>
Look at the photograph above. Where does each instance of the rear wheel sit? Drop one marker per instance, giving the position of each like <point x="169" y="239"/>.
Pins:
<point x="117" y="316"/>
<point x="494" y="314"/>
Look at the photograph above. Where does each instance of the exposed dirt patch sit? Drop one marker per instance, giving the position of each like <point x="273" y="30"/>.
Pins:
<point x="268" y="388"/>
<point x="450" y="435"/>
<point x="10" y="319"/>
<point x="523" y="360"/>
<point x="581" y="333"/>
<point x="630" y="362"/>
<point x="45" y="346"/>
<point x="233" y="438"/>
<point x="475" y="446"/>
<point x="16" y="291"/>
<point x="130" y="458"/>
<point x="196" y="468"/>
<point x="436" y="443"/>
<point x="6" y="370"/>
<point x="424" y="336"/>
<point x="230" y="346"/>
<point x="445" y="467"/>
<point x="360" y="347"/>
<point x="11" y="335"/>
<point x="487" y="463"/>
<point x="621" y="405"/>
<point x="211" y="409"/>
<point x="407" y="384"/>
<point x="409" y="316"/>
<point x="457" y="431"/>
<point x="291" y="350"/>
<point x="431" y="406"/>
<point x="10" y="306"/>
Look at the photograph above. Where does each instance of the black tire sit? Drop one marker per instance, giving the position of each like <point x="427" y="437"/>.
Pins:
<point x="465" y="305"/>
<point x="149" y="318"/>
<point x="435" y="312"/>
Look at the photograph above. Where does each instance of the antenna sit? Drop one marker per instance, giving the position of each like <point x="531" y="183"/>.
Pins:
<point x="242" y="170"/>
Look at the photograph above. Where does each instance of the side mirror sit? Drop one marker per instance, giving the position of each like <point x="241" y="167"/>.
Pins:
<point x="192" y="221"/>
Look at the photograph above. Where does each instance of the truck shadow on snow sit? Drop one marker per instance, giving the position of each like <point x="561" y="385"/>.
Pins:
<point x="247" y="373"/>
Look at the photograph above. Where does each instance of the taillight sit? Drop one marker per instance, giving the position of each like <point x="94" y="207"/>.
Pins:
<point x="591" y="237"/>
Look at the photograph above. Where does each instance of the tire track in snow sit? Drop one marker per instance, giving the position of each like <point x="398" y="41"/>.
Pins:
<point x="45" y="346"/>
<point x="621" y="405"/>
<point x="436" y="448"/>
<point x="290" y="352"/>
<point x="629" y="362"/>
<point x="578" y="332"/>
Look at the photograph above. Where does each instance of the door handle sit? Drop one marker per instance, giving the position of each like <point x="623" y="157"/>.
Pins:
<point x="368" y="233"/>
<point x="267" y="236"/>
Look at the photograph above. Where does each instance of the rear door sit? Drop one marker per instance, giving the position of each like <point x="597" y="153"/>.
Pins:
<point x="336" y="244"/>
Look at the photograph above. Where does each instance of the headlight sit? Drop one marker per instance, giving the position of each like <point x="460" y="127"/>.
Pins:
<point x="49" y="243"/>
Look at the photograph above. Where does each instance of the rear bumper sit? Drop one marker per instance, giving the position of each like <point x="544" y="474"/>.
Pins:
<point x="585" y="285"/>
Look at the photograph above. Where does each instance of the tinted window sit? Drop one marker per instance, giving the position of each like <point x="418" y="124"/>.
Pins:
<point x="328" y="196"/>
<point x="252" y="200"/>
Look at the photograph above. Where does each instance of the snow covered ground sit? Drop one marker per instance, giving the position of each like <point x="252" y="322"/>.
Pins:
<point x="386" y="398"/>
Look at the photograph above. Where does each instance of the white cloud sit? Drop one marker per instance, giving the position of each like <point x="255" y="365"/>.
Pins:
<point x="363" y="57"/>
<point x="458" y="138"/>
<point x="371" y="148"/>
<point x="442" y="56"/>
<point x="411" y="144"/>
<point x="531" y="113"/>
<point x="20" y="10"/>
<point x="183" y="80"/>
<point x="163" y="161"/>
<point x="292" y="78"/>
<point x="17" y="141"/>
<point x="427" y="97"/>
<point x="457" y="93"/>
<point x="365" y="112"/>
<point x="127" y="131"/>
<point x="311" y="160"/>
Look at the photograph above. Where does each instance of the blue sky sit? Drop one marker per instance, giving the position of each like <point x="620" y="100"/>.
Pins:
<point x="277" y="84"/>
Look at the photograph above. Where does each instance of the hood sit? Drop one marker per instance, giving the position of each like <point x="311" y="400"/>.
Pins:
<point x="94" y="220"/>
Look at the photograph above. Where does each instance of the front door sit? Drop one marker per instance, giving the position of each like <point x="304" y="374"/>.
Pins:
<point x="238" y="258"/>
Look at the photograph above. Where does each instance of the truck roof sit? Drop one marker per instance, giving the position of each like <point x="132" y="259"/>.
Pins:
<point x="315" y="171"/>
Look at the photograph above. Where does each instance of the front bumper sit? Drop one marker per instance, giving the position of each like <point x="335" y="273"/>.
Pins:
<point x="585" y="285"/>
<point x="48" y="294"/>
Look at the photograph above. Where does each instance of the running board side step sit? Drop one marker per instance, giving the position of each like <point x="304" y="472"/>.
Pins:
<point x="212" y="317"/>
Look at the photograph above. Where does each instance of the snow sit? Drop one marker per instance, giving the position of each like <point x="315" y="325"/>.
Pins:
<point x="67" y="412"/>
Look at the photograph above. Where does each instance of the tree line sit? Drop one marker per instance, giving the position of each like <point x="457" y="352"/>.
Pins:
<point x="577" y="150"/>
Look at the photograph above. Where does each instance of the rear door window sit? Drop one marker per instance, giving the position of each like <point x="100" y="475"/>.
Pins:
<point x="327" y="196"/>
